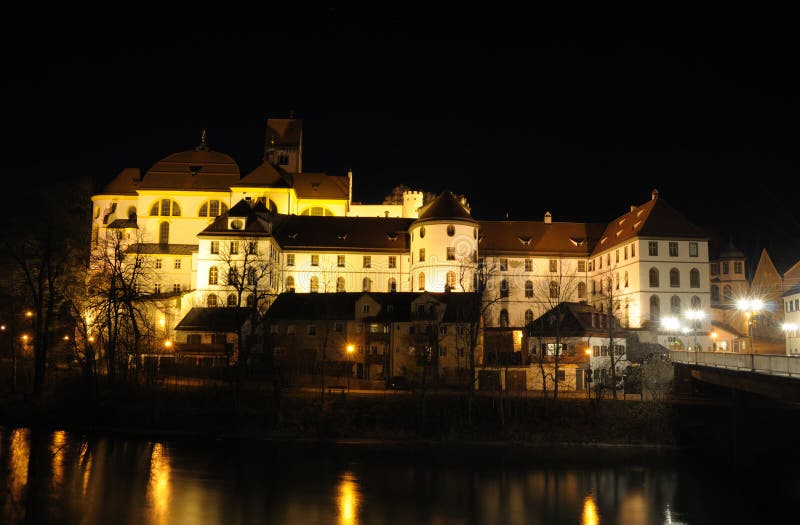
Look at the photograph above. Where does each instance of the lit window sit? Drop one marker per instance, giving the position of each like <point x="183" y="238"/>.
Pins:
<point x="213" y="275"/>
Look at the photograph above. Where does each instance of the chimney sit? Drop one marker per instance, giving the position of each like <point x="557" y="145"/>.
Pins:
<point x="654" y="195"/>
<point x="633" y="208"/>
<point x="548" y="218"/>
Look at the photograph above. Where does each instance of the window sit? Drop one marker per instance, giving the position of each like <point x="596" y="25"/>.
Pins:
<point x="714" y="268"/>
<point x="608" y="259"/>
<point x="392" y="261"/>
<point x="675" y="305"/>
<point x="194" y="339"/>
<point x="315" y="260"/>
<point x="251" y="300"/>
<point x="367" y="284"/>
<point x="582" y="290"/>
<point x="652" y="248"/>
<point x="252" y="248"/>
<point x="694" y="278"/>
<point x="450" y="282"/>
<point x="616" y="281"/>
<point x="421" y="283"/>
<point x="503" y="265"/>
<point x="633" y="250"/>
<point x="528" y="289"/>
<point x="553" y="290"/>
<point x="673" y="249"/>
<point x="451" y="230"/>
<point x="503" y="321"/>
<point x="177" y="264"/>
<point x="392" y="285"/>
<point x="231" y="299"/>
<point x="340" y="284"/>
<point x="311" y="330"/>
<point x="727" y="294"/>
<point x="163" y="233"/>
<point x="314" y="284"/>
<point x="234" y="248"/>
<point x="422" y="255"/>
<point x="422" y="232"/>
<point x="289" y="259"/>
<point x="214" y="246"/>
<point x="290" y="284"/>
<point x="626" y="279"/>
<point x="317" y="211"/>
<point x="693" y="252"/>
<point x="528" y="265"/>
<point x="290" y="329"/>
<point x="655" y="308"/>
<point x="616" y="256"/>
<point x="213" y="275"/>
<point x="340" y="261"/>
<point x="737" y="267"/>
<point x="696" y="303"/>
<point x="157" y="288"/>
<point x="158" y="263"/>
<point x="165" y="207"/>
<point x="504" y="288"/>
<point x="553" y="265"/>
<point x="233" y="276"/>
<point x="725" y="268"/>
<point x="625" y="254"/>
<point x="212" y="301"/>
<point x="714" y="293"/>
<point x="213" y="208"/>
<point x="653" y="278"/>
<point x="581" y="266"/>
<point x="364" y="308"/>
<point x="367" y="261"/>
<point x="252" y="276"/>
<point x="674" y="278"/>
<point x="176" y="287"/>
<point x="451" y="253"/>
<point x="594" y="287"/>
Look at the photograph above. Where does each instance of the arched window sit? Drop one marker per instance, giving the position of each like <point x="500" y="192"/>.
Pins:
<point x="714" y="293"/>
<point x="163" y="233"/>
<point x="654" y="278"/>
<point x="367" y="284"/>
<point x="317" y="211"/>
<point x="132" y="213"/>
<point x="165" y="208"/>
<point x="340" y="284"/>
<point x="231" y="299"/>
<point x="392" y="284"/>
<point x="213" y="208"/>
<point x="290" y="284"/>
<point x="582" y="290"/>
<point x="451" y="280"/>
<point x="421" y="281"/>
<point x="213" y="275"/>
<point x="528" y="317"/>
<point x="675" y="305"/>
<point x="314" y="288"/>
<point x="504" y="317"/>
<point x="251" y="300"/>
<point x="727" y="294"/>
<point x="211" y="301"/>
<point x="674" y="278"/>
<point x="695" y="303"/>
<point x="694" y="278"/>
<point x="553" y="290"/>
<point x="451" y="230"/>
<point x="626" y="279"/>
<point x="655" y="308"/>
<point x="528" y="289"/>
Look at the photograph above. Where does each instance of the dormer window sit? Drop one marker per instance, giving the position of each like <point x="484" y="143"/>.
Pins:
<point x="525" y="240"/>
<point x="392" y="236"/>
<point x="236" y="224"/>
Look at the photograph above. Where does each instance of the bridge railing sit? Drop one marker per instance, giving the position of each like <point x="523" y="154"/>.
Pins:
<point x="779" y="365"/>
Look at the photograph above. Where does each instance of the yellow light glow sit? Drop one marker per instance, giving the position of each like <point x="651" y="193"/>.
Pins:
<point x="91" y="339"/>
<point x="29" y="314"/>
<point x="350" y="349"/>
<point x="590" y="515"/>
<point x="57" y="445"/>
<point x="20" y="451"/>
<point x="66" y="338"/>
<point x="25" y="337"/>
<point x="167" y="344"/>
<point x="3" y="327"/>
<point x="714" y="335"/>
<point x="588" y="351"/>
<point x="348" y="499"/>
<point x="162" y="321"/>
<point x="158" y="487"/>
<point x="518" y="335"/>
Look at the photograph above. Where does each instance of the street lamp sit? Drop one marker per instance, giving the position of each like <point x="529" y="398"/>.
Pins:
<point x="750" y="307"/>
<point x="350" y="350"/>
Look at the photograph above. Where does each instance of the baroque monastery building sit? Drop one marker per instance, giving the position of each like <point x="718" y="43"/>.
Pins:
<point x="213" y="237"/>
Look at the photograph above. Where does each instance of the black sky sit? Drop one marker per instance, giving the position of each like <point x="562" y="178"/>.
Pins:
<point x="580" y="112"/>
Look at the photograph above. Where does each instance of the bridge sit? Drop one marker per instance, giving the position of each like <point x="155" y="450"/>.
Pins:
<point x="773" y="376"/>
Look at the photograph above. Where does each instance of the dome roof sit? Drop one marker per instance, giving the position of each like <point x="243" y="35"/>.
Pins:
<point x="201" y="168"/>
<point x="445" y="206"/>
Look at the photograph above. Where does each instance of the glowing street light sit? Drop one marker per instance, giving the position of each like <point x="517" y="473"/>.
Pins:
<point x="29" y="313"/>
<point x="91" y="339"/>
<point x="350" y="349"/>
<point x="750" y="307"/>
<point x="167" y="344"/>
<point x="696" y="316"/>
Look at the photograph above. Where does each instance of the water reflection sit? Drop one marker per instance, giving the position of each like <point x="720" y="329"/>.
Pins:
<point x="348" y="499"/>
<point x="590" y="515"/>
<point x="57" y="444"/>
<point x="158" y="487"/>
<point x="18" y="456"/>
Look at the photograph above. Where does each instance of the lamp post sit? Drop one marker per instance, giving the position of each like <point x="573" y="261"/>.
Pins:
<point x="750" y="307"/>
<point x="350" y="350"/>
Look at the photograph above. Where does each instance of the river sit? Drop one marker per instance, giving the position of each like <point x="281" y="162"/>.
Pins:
<point x="59" y="477"/>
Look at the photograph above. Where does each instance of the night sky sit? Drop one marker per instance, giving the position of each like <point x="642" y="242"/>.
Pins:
<point x="581" y="112"/>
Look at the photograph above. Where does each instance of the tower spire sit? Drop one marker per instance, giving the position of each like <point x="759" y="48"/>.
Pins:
<point x="203" y="146"/>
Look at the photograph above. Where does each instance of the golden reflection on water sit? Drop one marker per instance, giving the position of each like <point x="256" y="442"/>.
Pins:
<point x="19" y="450"/>
<point x="348" y="499"/>
<point x="590" y="515"/>
<point x="158" y="487"/>
<point x="57" y="444"/>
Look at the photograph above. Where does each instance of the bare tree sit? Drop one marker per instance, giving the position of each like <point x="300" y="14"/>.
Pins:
<point x="609" y="304"/>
